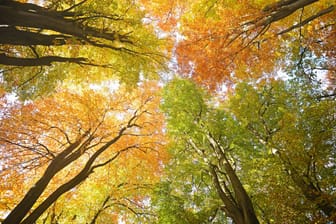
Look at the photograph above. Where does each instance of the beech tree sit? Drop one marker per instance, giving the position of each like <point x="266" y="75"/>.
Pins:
<point x="43" y="44"/>
<point x="27" y="24"/>
<point x="68" y="137"/>
<point x="264" y="155"/>
<point x="86" y="141"/>
<point x="196" y="130"/>
<point x="296" y="127"/>
<point x="224" y="41"/>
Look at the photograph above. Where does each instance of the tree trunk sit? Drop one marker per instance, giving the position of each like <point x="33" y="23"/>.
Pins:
<point x="22" y="209"/>
<point x="80" y="177"/>
<point x="13" y="36"/>
<point x="42" y="61"/>
<point x="282" y="9"/>
<point x="244" y="201"/>
<point x="239" y="207"/>
<point x="237" y="204"/>
<point x="50" y="20"/>
<point x="16" y="17"/>
<point x="66" y="157"/>
<point x="32" y="217"/>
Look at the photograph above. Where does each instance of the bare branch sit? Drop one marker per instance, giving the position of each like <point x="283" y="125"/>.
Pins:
<point x="306" y="21"/>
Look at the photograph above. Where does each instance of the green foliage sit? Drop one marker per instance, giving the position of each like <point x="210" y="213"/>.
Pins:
<point x="295" y="128"/>
<point x="188" y="183"/>
<point x="142" y="52"/>
<point x="184" y="104"/>
<point x="172" y="207"/>
<point x="278" y="135"/>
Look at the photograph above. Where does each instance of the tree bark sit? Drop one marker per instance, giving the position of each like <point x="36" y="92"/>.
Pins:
<point x="18" y="16"/>
<point x="21" y="210"/>
<point x="285" y="8"/>
<point x="41" y="61"/>
<point x="80" y="177"/>
<point x="243" y="200"/>
<point x="35" y="8"/>
<point x="238" y="204"/>
<point x="63" y="159"/>
<point x="13" y="36"/>
<point x="67" y="26"/>
<point x="230" y="207"/>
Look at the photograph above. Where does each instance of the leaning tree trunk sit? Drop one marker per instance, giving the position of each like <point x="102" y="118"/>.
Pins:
<point x="237" y="203"/>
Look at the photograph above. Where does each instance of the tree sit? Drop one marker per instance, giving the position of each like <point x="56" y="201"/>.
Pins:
<point x="67" y="137"/>
<point x="222" y="41"/>
<point x="103" y="37"/>
<point x="27" y="24"/>
<point x="117" y="192"/>
<point x="265" y="154"/>
<point x="296" y="126"/>
<point x="197" y="130"/>
<point x="80" y="151"/>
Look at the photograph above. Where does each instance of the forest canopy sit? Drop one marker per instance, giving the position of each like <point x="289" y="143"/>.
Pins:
<point x="187" y="112"/>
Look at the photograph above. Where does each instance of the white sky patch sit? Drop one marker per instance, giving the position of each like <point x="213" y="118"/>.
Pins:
<point x="121" y="221"/>
<point x="120" y="116"/>
<point x="111" y="85"/>
<point x="321" y="76"/>
<point x="11" y="98"/>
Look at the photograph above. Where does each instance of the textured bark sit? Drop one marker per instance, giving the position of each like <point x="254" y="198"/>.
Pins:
<point x="283" y="9"/>
<point x="51" y="20"/>
<point x="35" y="8"/>
<point x="17" y="17"/>
<point x="67" y="28"/>
<point x="22" y="213"/>
<point x="230" y="207"/>
<point x="47" y="60"/>
<point x="278" y="11"/>
<point x="306" y="21"/>
<point x="244" y="202"/>
<point x="80" y="177"/>
<point x="237" y="204"/>
<point x="22" y="209"/>
<point x="13" y="36"/>
<point x="239" y="207"/>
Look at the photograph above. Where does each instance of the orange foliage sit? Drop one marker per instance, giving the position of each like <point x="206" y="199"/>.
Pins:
<point x="166" y="12"/>
<point x="34" y="133"/>
<point x="223" y="41"/>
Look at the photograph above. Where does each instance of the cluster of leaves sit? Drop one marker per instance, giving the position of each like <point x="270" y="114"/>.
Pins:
<point x="87" y="40"/>
<point x="59" y="141"/>
<point x="222" y="41"/>
<point x="278" y="137"/>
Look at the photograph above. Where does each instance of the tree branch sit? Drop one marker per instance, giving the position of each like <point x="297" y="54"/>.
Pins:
<point x="41" y="61"/>
<point x="304" y="22"/>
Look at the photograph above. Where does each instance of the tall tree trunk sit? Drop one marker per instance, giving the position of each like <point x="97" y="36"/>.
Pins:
<point x="244" y="201"/>
<point x="80" y="177"/>
<point x="41" y="61"/>
<point x="237" y="204"/>
<point x="57" y="164"/>
<point x="18" y="16"/>
<point x="13" y="36"/>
